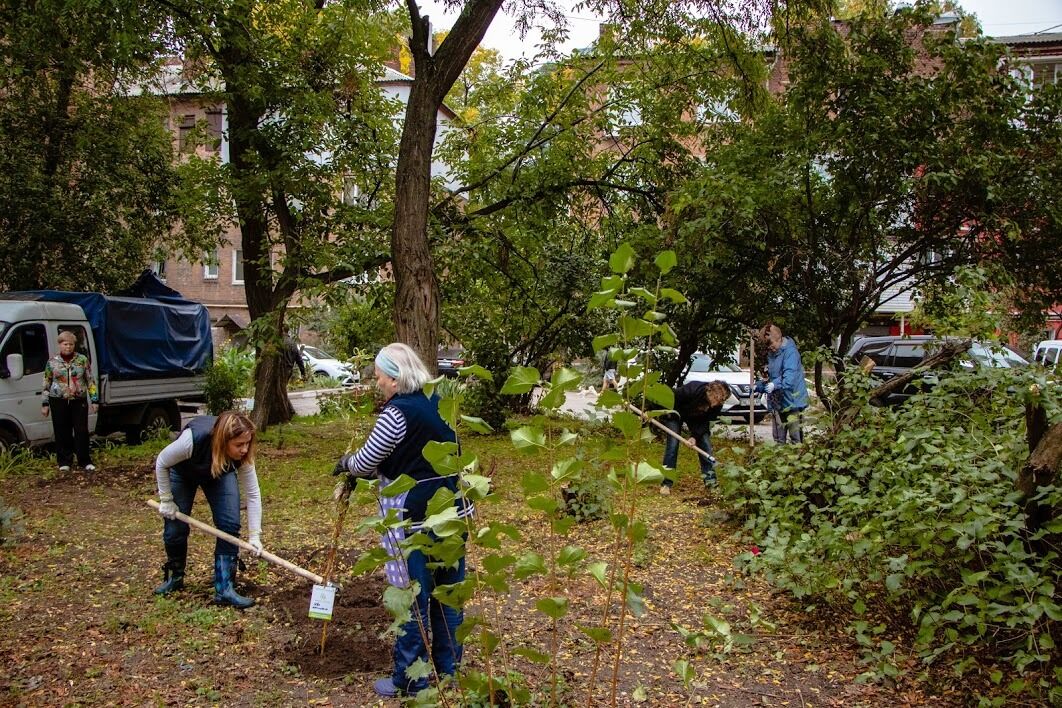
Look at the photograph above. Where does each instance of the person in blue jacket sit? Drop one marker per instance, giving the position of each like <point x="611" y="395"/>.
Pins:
<point x="216" y="455"/>
<point x="408" y="422"/>
<point x="787" y="392"/>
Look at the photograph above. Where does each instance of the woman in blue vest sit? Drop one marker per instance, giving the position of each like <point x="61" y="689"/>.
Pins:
<point x="408" y="422"/>
<point x="217" y="455"/>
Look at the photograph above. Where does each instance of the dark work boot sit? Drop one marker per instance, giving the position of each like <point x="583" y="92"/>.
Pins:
<point x="173" y="570"/>
<point x="224" y="575"/>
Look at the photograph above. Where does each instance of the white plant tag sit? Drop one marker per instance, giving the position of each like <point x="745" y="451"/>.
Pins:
<point x="321" y="601"/>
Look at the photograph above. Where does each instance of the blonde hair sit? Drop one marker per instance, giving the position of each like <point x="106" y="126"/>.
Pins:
<point x="229" y="425"/>
<point x="412" y="374"/>
<point x="67" y="336"/>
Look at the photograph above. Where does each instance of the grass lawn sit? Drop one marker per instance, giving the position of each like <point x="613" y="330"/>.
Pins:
<point x="80" y="625"/>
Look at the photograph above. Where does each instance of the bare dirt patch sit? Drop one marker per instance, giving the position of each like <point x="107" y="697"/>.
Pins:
<point x="354" y="643"/>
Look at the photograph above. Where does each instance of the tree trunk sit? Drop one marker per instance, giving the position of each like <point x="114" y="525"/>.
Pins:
<point x="271" y="402"/>
<point x="1041" y="470"/>
<point x="416" y="308"/>
<point x="264" y="300"/>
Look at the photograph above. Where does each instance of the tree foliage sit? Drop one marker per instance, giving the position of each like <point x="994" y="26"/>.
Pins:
<point x="308" y="130"/>
<point x="561" y="163"/>
<point x="889" y="161"/>
<point x="86" y="177"/>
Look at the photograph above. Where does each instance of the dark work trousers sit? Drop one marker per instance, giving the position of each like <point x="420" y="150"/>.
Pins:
<point x="70" y="423"/>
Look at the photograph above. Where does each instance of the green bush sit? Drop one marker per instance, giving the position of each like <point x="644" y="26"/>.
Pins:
<point x="587" y="499"/>
<point x="913" y="512"/>
<point x="228" y="378"/>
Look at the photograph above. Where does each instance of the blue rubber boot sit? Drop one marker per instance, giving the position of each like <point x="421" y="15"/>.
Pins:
<point x="224" y="574"/>
<point x="173" y="570"/>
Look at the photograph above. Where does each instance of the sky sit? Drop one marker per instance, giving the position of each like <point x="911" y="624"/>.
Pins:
<point x="998" y="18"/>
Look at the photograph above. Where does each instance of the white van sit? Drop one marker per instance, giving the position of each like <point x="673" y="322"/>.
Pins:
<point x="28" y="336"/>
<point x="1048" y="353"/>
<point x="29" y="331"/>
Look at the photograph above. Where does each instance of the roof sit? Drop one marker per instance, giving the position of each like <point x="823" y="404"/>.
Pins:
<point x="1035" y="38"/>
<point x="232" y="321"/>
<point x="393" y="75"/>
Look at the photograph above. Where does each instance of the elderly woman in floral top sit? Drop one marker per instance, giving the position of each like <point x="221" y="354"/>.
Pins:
<point x="68" y="390"/>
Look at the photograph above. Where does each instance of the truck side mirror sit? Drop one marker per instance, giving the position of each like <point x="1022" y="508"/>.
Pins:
<point x="15" y="368"/>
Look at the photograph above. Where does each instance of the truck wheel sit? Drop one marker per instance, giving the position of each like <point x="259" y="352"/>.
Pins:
<point x="8" y="440"/>
<point x="156" y="420"/>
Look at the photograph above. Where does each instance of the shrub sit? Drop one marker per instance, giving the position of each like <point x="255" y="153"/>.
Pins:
<point x="228" y="379"/>
<point x="347" y="402"/>
<point x="913" y="511"/>
<point x="587" y="499"/>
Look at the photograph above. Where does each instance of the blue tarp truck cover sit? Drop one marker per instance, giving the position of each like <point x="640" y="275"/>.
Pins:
<point x="155" y="333"/>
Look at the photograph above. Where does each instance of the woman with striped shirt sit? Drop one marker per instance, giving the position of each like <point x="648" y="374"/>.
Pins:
<point x="408" y="422"/>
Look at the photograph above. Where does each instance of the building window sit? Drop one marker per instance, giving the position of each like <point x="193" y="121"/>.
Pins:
<point x="159" y="269"/>
<point x="237" y="267"/>
<point x="622" y="111"/>
<point x="351" y="192"/>
<point x="186" y="134"/>
<point x="1045" y="74"/>
<point x="214" y="130"/>
<point x="211" y="261"/>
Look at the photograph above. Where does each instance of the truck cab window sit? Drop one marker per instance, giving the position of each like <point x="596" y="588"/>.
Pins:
<point x="82" y="338"/>
<point x="31" y="341"/>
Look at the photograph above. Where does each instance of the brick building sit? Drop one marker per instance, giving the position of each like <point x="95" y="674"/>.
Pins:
<point x="199" y="126"/>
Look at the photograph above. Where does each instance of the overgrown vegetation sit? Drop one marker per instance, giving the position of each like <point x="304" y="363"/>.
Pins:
<point x="909" y="522"/>
<point x="228" y="379"/>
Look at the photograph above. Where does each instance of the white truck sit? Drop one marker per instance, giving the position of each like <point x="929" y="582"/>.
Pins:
<point x="148" y="358"/>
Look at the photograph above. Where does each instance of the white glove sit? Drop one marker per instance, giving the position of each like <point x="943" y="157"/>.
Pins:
<point x="769" y="387"/>
<point x="256" y="544"/>
<point x="166" y="506"/>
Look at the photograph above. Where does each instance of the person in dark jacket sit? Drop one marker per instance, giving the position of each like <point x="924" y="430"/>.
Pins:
<point x="696" y="405"/>
<point x="787" y="392"/>
<point x="217" y="455"/>
<point x="294" y="357"/>
<point x="408" y="422"/>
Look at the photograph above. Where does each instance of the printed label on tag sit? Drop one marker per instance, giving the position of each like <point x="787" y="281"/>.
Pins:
<point x="321" y="601"/>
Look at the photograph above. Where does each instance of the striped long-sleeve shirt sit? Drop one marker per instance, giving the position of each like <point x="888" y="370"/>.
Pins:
<point x="386" y="435"/>
<point x="389" y="430"/>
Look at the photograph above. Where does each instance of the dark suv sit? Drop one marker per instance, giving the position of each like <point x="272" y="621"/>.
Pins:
<point x="895" y="355"/>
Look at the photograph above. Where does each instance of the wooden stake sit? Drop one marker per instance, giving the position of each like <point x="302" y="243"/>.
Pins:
<point x="265" y="555"/>
<point x="752" y="390"/>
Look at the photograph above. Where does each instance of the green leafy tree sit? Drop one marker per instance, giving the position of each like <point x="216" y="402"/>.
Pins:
<point x="308" y="129"/>
<point x="559" y="164"/>
<point x="890" y="160"/>
<point x="86" y="176"/>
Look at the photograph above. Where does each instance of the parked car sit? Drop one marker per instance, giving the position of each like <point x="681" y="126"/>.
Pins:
<point x="703" y="368"/>
<point x="449" y="361"/>
<point x="894" y="355"/>
<point x="1048" y="353"/>
<point x="320" y="364"/>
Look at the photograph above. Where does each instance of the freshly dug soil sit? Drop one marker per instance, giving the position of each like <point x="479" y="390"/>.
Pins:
<point x="353" y="645"/>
